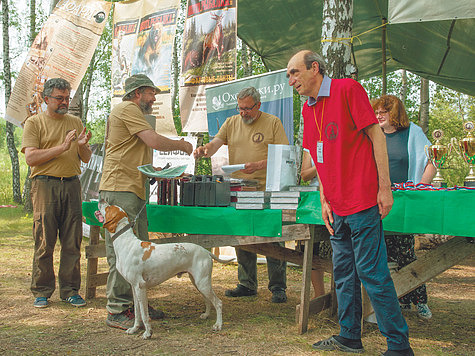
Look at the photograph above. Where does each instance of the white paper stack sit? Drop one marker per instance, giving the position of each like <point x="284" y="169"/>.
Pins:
<point x="303" y="188"/>
<point x="250" y="200"/>
<point x="284" y="200"/>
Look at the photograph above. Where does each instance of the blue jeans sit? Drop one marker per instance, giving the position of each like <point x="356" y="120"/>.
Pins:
<point x="359" y="256"/>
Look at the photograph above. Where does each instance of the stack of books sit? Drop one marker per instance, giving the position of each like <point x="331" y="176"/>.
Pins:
<point x="303" y="188"/>
<point x="250" y="200"/>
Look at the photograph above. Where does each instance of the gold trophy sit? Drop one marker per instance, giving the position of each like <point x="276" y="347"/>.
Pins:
<point x="437" y="155"/>
<point x="466" y="148"/>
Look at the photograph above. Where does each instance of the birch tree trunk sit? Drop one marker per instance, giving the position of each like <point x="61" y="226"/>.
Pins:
<point x="27" y="204"/>
<point x="403" y="92"/>
<point x="337" y="26"/>
<point x="246" y="59"/>
<point x="10" y="138"/>
<point x="424" y="109"/>
<point x="176" y="75"/>
<point x="86" y="89"/>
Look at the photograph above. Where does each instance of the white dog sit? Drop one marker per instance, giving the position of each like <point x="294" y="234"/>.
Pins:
<point x="145" y="264"/>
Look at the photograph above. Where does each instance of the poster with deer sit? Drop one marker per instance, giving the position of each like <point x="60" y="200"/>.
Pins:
<point x="208" y="57"/>
<point x="143" y="36"/>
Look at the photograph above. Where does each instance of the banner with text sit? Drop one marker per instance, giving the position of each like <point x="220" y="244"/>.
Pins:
<point x="63" y="48"/>
<point x="208" y="57"/>
<point x="276" y="99"/>
<point x="143" y="37"/>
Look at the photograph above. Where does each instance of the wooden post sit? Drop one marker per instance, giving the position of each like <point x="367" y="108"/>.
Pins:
<point x="92" y="264"/>
<point x="305" y="293"/>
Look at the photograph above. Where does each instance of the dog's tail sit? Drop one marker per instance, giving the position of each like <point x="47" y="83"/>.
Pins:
<point x="214" y="257"/>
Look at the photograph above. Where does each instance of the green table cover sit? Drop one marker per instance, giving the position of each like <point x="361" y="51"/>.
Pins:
<point x="449" y="212"/>
<point x="445" y="212"/>
<point x="204" y="220"/>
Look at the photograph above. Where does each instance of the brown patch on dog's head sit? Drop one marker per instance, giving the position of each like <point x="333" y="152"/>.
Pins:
<point x="113" y="215"/>
<point x="147" y="245"/>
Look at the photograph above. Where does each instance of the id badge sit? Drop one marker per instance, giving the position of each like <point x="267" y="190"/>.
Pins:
<point x="320" y="151"/>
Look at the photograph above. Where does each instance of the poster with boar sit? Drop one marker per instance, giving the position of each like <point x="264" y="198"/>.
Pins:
<point x="142" y="43"/>
<point x="208" y="57"/>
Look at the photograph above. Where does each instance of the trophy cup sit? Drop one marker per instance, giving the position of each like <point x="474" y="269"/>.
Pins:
<point x="466" y="149"/>
<point x="437" y="155"/>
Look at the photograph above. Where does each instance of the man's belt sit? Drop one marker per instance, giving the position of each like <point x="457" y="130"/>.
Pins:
<point x="56" y="178"/>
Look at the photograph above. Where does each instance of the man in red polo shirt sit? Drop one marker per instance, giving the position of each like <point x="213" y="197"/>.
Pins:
<point x="349" y="150"/>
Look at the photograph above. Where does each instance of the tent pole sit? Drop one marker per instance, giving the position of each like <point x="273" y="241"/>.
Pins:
<point x="383" y="47"/>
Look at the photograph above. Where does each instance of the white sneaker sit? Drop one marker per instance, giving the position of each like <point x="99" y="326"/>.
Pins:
<point x="423" y="311"/>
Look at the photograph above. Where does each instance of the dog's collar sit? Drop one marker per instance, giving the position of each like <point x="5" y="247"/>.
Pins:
<point x="120" y="232"/>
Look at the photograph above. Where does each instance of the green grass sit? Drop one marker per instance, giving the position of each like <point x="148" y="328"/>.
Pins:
<point x="6" y="192"/>
<point x="14" y="221"/>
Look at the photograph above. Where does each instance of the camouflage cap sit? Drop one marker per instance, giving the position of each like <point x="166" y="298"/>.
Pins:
<point x="137" y="81"/>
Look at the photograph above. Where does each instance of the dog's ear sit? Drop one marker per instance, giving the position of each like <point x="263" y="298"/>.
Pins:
<point x="113" y="216"/>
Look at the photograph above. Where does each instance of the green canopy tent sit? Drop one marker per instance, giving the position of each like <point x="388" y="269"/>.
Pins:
<point x="434" y="39"/>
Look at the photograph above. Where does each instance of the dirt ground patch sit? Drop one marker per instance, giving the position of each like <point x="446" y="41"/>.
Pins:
<point x="252" y="326"/>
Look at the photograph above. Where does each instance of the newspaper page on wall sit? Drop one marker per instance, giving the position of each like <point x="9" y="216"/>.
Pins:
<point x="144" y="33"/>
<point x="63" y="48"/>
<point x="276" y="99"/>
<point x="208" y="57"/>
<point x="91" y="173"/>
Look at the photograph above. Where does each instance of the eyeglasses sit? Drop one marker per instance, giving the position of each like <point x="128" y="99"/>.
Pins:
<point x="61" y="98"/>
<point x="381" y="112"/>
<point x="238" y="109"/>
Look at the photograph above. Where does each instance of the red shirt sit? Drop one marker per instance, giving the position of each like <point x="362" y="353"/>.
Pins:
<point x="348" y="172"/>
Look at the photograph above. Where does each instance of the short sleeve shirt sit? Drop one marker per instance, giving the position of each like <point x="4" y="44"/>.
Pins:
<point x="43" y="131"/>
<point x="348" y="173"/>
<point x="125" y="151"/>
<point x="248" y="142"/>
<point x="398" y="155"/>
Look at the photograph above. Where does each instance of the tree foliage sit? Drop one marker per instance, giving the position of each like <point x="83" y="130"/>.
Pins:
<point x="448" y="109"/>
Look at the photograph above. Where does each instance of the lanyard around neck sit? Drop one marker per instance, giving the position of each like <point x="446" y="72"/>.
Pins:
<point x="319" y="127"/>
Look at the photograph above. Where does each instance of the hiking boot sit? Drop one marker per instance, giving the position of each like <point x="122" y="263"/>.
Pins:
<point x="240" y="291"/>
<point x="423" y="311"/>
<point x="279" y="296"/>
<point x="155" y="314"/>
<point x="124" y="320"/>
<point x="40" y="302"/>
<point x="335" y="342"/>
<point x="75" y="300"/>
<point x="405" y="352"/>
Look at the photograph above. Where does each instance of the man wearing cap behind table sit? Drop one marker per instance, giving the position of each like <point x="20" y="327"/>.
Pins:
<point x="129" y="138"/>
<point x="54" y="143"/>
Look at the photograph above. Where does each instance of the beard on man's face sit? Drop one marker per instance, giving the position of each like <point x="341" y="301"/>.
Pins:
<point x="146" y="107"/>
<point x="247" y="119"/>
<point x="62" y="110"/>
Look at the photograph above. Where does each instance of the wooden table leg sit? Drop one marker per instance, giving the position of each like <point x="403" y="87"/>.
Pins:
<point x="92" y="264"/>
<point x="303" y="310"/>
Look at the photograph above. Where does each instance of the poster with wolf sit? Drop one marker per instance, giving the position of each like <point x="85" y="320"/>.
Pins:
<point x="63" y="48"/>
<point x="208" y="57"/>
<point x="144" y="32"/>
